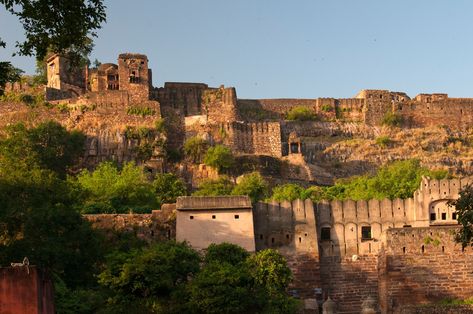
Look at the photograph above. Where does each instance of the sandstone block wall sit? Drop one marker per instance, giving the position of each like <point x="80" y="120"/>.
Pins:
<point x="423" y="265"/>
<point x="453" y="112"/>
<point x="349" y="281"/>
<point x="290" y="228"/>
<point x="134" y="76"/>
<point x="263" y="138"/>
<point x="160" y="225"/>
<point x="346" y="220"/>
<point x="186" y="97"/>
<point x="220" y="105"/>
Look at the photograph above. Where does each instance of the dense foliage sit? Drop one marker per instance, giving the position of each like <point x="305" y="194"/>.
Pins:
<point x="253" y="185"/>
<point x="44" y="30"/>
<point x="290" y="192"/>
<point x="144" y="280"/>
<point x="301" y="113"/>
<point x="195" y="148"/>
<point x="464" y="209"/>
<point x="37" y="212"/>
<point x="109" y="189"/>
<point x="219" y="157"/>
<point x="167" y="187"/>
<point x="49" y="145"/>
<point x="399" y="179"/>
<point x="8" y="73"/>
<point x="220" y="186"/>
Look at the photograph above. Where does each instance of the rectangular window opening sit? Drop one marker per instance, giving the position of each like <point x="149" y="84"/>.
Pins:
<point x="191" y="217"/>
<point x="444" y="216"/>
<point x="366" y="233"/>
<point x="237" y="216"/>
<point x="325" y="234"/>
<point x="432" y="216"/>
<point x="214" y="217"/>
<point x="454" y="216"/>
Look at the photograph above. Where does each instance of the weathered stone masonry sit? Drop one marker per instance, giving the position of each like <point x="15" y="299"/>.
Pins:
<point x="400" y="252"/>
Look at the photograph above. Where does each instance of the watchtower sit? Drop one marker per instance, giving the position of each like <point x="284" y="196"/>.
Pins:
<point x="134" y="76"/>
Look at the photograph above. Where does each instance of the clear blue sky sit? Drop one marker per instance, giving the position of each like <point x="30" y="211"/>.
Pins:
<point x="298" y="49"/>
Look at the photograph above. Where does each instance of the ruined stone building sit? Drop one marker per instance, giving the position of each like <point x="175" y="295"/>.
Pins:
<point x="251" y="127"/>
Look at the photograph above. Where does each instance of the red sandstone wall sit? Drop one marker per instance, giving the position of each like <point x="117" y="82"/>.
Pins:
<point x="25" y="293"/>
<point x="454" y="112"/>
<point x="424" y="265"/>
<point x="350" y="281"/>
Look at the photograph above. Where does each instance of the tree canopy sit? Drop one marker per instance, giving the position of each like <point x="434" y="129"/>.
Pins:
<point x="57" y="26"/>
<point x="219" y="157"/>
<point x="464" y="209"/>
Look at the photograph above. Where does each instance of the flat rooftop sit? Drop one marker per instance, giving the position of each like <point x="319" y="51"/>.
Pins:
<point x="213" y="202"/>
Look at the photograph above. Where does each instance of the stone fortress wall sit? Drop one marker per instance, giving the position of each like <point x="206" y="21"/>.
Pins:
<point x="249" y="125"/>
<point x="402" y="258"/>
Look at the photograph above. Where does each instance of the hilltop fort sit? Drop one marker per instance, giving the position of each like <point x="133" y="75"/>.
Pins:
<point x="391" y="253"/>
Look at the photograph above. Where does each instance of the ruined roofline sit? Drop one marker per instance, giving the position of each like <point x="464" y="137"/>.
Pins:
<point x="129" y="55"/>
<point x="167" y="84"/>
<point x="213" y="202"/>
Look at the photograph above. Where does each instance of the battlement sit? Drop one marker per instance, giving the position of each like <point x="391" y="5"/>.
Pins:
<point x="259" y="138"/>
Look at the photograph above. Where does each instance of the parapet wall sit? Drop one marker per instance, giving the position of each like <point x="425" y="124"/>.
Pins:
<point x="262" y="138"/>
<point x="290" y="228"/>
<point x="453" y="112"/>
<point x="346" y="220"/>
<point x="160" y="225"/>
<point x="423" y="265"/>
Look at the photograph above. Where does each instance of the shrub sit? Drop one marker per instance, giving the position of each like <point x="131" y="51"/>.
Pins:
<point x="221" y="186"/>
<point x="392" y="119"/>
<point x="219" y="157"/>
<point x="141" y="111"/>
<point x="326" y="108"/>
<point x="195" y="148"/>
<point x="168" y="187"/>
<point x="301" y="114"/>
<point x="289" y="192"/>
<point x="383" y="141"/>
<point x="253" y="185"/>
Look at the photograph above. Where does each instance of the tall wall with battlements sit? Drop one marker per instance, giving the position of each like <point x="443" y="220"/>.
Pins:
<point x="428" y="110"/>
<point x="259" y="138"/>
<point x="423" y="265"/>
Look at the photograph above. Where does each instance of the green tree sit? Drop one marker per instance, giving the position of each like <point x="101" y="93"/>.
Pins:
<point x="49" y="144"/>
<point x="112" y="190"/>
<point x="148" y="278"/>
<point x="289" y="192"/>
<point x="225" y="253"/>
<point x="44" y="30"/>
<point x="464" y="209"/>
<point x="168" y="187"/>
<point x="39" y="222"/>
<point x="253" y="185"/>
<point x="220" y="186"/>
<point x="195" y="148"/>
<point x="399" y="179"/>
<point x="219" y="157"/>
<point x="8" y="73"/>
<point x="223" y="288"/>
<point x="233" y="281"/>
<point x="301" y="113"/>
